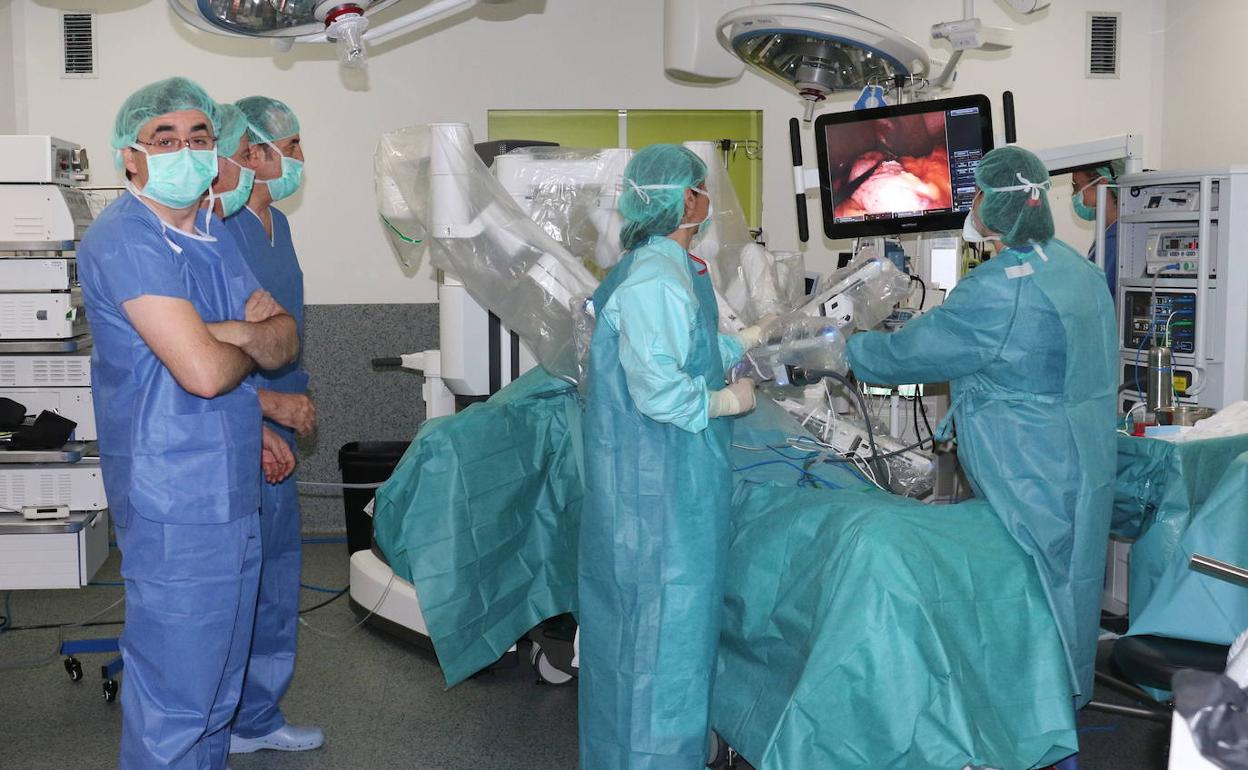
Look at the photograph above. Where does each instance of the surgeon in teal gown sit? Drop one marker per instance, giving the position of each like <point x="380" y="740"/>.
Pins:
<point x="1027" y="342"/>
<point x="654" y="528"/>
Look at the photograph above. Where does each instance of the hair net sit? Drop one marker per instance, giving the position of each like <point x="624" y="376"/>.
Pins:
<point x="152" y="101"/>
<point x="1016" y="203"/>
<point x="232" y="124"/>
<point x="268" y="119"/>
<point x="653" y="199"/>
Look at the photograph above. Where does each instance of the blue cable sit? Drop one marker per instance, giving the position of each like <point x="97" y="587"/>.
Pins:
<point x="107" y="583"/>
<point x="807" y="456"/>
<point x="326" y="540"/>
<point x="322" y="589"/>
<point x="805" y="473"/>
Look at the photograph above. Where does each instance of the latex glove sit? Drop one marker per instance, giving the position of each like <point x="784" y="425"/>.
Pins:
<point x="751" y="336"/>
<point x="276" y="459"/>
<point x="737" y="398"/>
<point x="294" y="410"/>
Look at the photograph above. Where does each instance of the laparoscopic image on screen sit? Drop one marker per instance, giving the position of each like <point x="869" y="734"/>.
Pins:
<point x="889" y="167"/>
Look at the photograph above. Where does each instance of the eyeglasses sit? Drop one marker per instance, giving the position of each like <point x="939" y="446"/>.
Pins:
<point x="173" y="144"/>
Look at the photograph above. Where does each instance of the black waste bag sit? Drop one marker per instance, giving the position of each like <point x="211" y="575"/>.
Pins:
<point x="365" y="462"/>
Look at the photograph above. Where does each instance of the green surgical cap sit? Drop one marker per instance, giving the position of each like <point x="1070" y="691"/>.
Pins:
<point x="1015" y="184"/>
<point x="1112" y="170"/>
<point x="653" y="200"/>
<point x="152" y="101"/>
<point x="268" y="119"/>
<point x="232" y="126"/>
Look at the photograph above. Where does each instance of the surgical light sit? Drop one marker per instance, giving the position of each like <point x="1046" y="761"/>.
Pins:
<point x="343" y="22"/>
<point x="819" y="48"/>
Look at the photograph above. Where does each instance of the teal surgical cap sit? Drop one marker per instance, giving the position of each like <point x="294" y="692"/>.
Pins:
<point x="653" y="199"/>
<point x="152" y="101"/>
<point x="232" y="125"/>
<point x="268" y="119"/>
<point x="1015" y="184"/>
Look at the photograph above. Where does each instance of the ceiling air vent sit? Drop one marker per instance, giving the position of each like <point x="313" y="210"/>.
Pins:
<point x="78" y="36"/>
<point x="1104" y="37"/>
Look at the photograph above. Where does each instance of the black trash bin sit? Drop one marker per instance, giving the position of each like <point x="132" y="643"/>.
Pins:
<point x="365" y="462"/>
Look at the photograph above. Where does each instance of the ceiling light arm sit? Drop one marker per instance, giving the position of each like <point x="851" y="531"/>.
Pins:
<point x="947" y="72"/>
<point x="423" y="17"/>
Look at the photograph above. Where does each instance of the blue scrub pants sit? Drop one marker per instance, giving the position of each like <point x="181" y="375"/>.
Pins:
<point x="190" y="603"/>
<point x="272" y="661"/>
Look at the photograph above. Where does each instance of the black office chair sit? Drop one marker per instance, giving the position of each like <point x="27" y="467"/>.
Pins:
<point x="1152" y="661"/>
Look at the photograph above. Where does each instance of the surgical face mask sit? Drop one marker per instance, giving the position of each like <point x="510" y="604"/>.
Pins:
<point x="1083" y="210"/>
<point x="232" y="201"/>
<point x="178" y="179"/>
<point x="292" y="176"/>
<point x="706" y="222"/>
<point x="971" y="233"/>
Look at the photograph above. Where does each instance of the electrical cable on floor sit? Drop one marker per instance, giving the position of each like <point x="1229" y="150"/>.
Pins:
<point x="339" y="485"/>
<point x="352" y="629"/>
<point x="322" y="589"/>
<point x="60" y="639"/>
<point x="328" y="601"/>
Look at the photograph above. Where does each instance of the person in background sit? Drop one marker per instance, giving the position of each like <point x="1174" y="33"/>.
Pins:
<point x="1084" y="182"/>
<point x="232" y="187"/>
<point x="654" y="526"/>
<point x="1027" y="342"/>
<point x="270" y="150"/>
<point x="179" y="322"/>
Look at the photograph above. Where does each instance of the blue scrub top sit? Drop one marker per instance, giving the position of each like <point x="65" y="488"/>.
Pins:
<point x="1111" y="259"/>
<point x="275" y="264"/>
<point x="167" y="455"/>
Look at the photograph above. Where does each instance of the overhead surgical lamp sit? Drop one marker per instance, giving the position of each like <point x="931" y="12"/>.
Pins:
<point x="819" y="48"/>
<point x="286" y="22"/>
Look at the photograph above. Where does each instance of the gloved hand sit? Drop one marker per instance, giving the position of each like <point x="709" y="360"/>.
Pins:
<point x="737" y="398"/>
<point x="751" y="336"/>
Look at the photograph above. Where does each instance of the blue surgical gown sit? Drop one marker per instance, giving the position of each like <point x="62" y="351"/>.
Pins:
<point x="272" y="663"/>
<point x="1027" y="342"/>
<point x="182" y="475"/>
<point x="166" y="454"/>
<point x="1111" y="259"/>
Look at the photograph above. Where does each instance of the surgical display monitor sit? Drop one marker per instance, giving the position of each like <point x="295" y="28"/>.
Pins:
<point x="903" y="169"/>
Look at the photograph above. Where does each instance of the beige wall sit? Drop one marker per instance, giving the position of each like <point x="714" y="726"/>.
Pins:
<point x="1205" y="106"/>
<point x="8" y="99"/>
<point x="533" y="54"/>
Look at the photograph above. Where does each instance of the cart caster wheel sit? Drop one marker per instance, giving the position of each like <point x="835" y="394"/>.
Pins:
<point x="110" y="690"/>
<point x="74" y="669"/>
<point x="547" y="673"/>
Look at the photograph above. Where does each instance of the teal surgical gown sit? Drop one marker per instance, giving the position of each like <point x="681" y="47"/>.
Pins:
<point x="654" y="530"/>
<point x="1027" y="342"/>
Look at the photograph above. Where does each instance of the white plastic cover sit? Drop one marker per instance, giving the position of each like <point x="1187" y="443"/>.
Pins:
<point x="743" y="271"/>
<point x="861" y="294"/>
<point x="430" y="181"/>
<point x="573" y="194"/>
<point x="799" y="341"/>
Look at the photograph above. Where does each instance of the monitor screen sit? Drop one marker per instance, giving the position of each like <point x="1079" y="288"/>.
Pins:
<point x="909" y="168"/>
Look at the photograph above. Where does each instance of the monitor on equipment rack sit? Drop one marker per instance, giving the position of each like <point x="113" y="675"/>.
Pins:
<point x="909" y="168"/>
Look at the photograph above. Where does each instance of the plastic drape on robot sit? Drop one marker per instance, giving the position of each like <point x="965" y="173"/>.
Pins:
<point x="859" y="296"/>
<point x="794" y="341"/>
<point x="477" y="232"/>
<point x="401" y="179"/>
<point x="571" y="193"/>
<point x="744" y="273"/>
